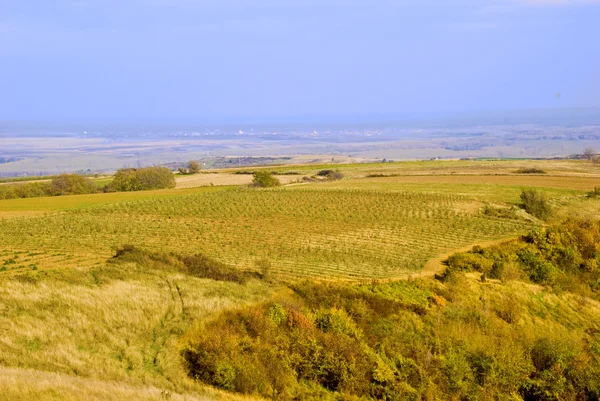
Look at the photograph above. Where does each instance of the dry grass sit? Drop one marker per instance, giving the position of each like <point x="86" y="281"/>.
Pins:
<point x="119" y="323"/>
<point x="26" y="385"/>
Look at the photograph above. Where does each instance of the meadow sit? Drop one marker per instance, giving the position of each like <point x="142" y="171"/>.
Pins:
<point x="104" y="329"/>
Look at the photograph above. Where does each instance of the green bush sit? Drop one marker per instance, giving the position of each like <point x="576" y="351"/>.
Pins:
<point x="536" y="204"/>
<point x="71" y="184"/>
<point x="264" y="179"/>
<point x="141" y="179"/>
<point x="64" y="184"/>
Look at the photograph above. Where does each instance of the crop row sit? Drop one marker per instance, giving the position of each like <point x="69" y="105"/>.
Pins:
<point x="302" y="233"/>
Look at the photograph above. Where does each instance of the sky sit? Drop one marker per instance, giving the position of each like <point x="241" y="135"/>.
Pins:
<point x="191" y="60"/>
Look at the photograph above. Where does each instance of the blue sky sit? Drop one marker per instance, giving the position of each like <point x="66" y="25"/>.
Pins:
<point x="172" y="60"/>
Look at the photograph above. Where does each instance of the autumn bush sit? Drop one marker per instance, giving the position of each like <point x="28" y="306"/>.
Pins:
<point x="264" y="179"/>
<point x="388" y="341"/>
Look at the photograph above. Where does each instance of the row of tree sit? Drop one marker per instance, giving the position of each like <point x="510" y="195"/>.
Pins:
<point x="127" y="179"/>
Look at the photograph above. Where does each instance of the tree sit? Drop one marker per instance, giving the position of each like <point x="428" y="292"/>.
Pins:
<point x="71" y="184"/>
<point x="140" y="179"/>
<point x="194" y="167"/>
<point x="589" y="153"/>
<point x="264" y="179"/>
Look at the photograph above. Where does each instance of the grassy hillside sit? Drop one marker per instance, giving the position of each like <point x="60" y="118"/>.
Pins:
<point x="77" y="324"/>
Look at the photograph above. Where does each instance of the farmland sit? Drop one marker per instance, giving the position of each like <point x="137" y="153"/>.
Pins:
<point x="111" y="330"/>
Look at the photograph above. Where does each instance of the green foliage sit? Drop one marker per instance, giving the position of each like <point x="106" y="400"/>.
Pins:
<point x="536" y="204"/>
<point x="64" y="184"/>
<point x="141" y="179"/>
<point x="71" y="184"/>
<point x="264" y="179"/>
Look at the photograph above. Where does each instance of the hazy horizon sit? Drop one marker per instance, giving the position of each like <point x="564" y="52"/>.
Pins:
<point x="191" y="60"/>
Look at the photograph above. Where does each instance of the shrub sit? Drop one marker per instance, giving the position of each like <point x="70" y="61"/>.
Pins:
<point x="265" y="268"/>
<point x="595" y="193"/>
<point x="540" y="271"/>
<point x="530" y="170"/>
<point x="331" y="175"/>
<point x="65" y="184"/>
<point x="193" y="167"/>
<point x="536" y="204"/>
<point x="264" y="179"/>
<point x="500" y="212"/>
<point x="141" y="179"/>
<point x="470" y="262"/>
<point x="71" y="184"/>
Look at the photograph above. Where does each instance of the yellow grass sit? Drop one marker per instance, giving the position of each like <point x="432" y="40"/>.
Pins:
<point x="116" y="324"/>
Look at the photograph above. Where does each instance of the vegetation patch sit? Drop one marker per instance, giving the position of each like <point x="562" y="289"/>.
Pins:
<point x="530" y="170"/>
<point x="396" y="341"/>
<point x="563" y="257"/>
<point x="141" y="179"/>
<point x="198" y="265"/>
<point x="192" y="167"/>
<point x="264" y="179"/>
<point x="594" y="193"/>
<point x="536" y="204"/>
<point x="330" y="175"/>
<point x="64" y="184"/>
<point x="501" y="212"/>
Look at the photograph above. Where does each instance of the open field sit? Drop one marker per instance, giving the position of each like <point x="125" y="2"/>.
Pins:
<point x="307" y="231"/>
<point x="208" y="179"/>
<point x="74" y="325"/>
<point x="360" y="227"/>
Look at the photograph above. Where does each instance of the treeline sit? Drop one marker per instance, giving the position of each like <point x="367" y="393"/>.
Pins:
<point x="65" y="184"/>
<point x="130" y="179"/>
